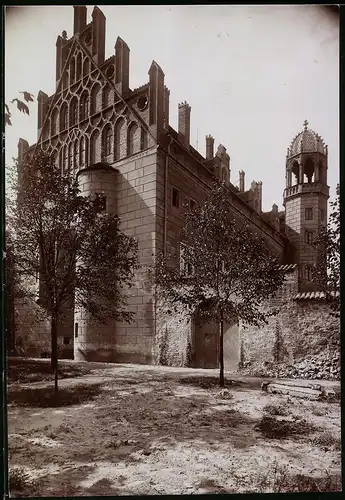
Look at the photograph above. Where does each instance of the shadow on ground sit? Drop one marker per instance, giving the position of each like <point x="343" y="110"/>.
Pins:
<point x="45" y="397"/>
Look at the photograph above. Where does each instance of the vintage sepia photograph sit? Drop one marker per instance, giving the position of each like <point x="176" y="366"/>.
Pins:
<point x="172" y="249"/>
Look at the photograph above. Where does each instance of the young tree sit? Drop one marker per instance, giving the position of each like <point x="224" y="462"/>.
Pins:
<point x="225" y="271"/>
<point x="326" y="273"/>
<point x="74" y="250"/>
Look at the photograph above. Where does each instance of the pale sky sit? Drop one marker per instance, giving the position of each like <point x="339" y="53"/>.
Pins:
<point x="251" y="74"/>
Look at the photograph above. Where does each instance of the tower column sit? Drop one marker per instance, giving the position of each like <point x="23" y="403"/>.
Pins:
<point x="301" y="174"/>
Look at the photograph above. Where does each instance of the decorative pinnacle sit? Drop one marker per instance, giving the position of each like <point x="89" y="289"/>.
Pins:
<point x="305" y="124"/>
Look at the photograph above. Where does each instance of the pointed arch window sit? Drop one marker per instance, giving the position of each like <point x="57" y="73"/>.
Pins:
<point x="120" y="139"/>
<point x="93" y="148"/>
<point x="107" y="141"/>
<point x="70" y="158"/>
<point x="131" y="136"/>
<point x="63" y="117"/>
<point x="84" y="106"/>
<point x="82" y="152"/>
<point x="94" y="98"/>
<point x="65" y="159"/>
<point x="75" y="156"/>
<point x="53" y="121"/>
<point x="73" y="112"/>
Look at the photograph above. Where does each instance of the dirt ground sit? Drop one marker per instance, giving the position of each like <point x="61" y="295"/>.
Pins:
<point x="139" y="430"/>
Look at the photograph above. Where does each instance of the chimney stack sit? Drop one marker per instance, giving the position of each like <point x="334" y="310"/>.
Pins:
<point x="259" y="187"/>
<point x="242" y="174"/>
<point x="184" y="123"/>
<point x="209" y="147"/>
<point x="98" y="35"/>
<point x="121" y="66"/>
<point x="80" y="13"/>
<point x="166" y="107"/>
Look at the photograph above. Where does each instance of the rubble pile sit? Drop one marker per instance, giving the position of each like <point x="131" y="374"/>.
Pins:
<point x="323" y="366"/>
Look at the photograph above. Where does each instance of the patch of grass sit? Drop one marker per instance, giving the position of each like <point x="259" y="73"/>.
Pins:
<point x="20" y="484"/>
<point x="327" y="440"/>
<point x="279" y="410"/>
<point x="23" y="370"/>
<point x="44" y="397"/>
<point x="273" y="428"/>
<point x="279" y="480"/>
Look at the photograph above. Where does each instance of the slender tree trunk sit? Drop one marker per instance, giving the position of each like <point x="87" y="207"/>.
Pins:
<point x="54" y="353"/>
<point x="221" y="351"/>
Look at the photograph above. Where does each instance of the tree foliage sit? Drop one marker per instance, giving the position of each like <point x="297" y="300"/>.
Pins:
<point x="21" y="106"/>
<point x="74" y="251"/>
<point x="326" y="273"/>
<point x="225" y="271"/>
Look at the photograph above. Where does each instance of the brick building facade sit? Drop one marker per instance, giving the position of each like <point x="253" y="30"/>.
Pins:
<point x="119" y="143"/>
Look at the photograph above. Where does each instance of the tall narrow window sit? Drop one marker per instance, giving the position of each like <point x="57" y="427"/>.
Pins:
<point x="70" y="158"/>
<point x="107" y="141"/>
<point x="93" y="146"/>
<point x="73" y="112"/>
<point x="94" y="98"/>
<point x="175" y="197"/>
<point x="322" y="215"/>
<point x="131" y="136"/>
<point x="308" y="237"/>
<point x="75" y="156"/>
<point x="307" y="273"/>
<point x="53" y="122"/>
<point x="63" y="117"/>
<point x="192" y="204"/>
<point x="84" y="106"/>
<point x="309" y="213"/>
<point x="65" y="159"/>
<point x="82" y="152"/>
<point x="120" y="139"/>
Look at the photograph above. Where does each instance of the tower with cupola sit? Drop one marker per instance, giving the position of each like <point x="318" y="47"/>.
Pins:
<point x="305" y="199"/>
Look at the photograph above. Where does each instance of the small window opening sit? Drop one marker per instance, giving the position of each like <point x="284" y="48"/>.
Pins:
<point x="175" y="197"/>
<point x="308" y="214"/>
<point x="76" y="330"/>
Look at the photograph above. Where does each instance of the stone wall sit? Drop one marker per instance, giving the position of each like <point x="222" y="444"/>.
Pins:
<point x="301" y="328"/>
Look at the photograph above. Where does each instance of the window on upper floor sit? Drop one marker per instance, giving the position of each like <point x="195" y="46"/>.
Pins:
<point x="84" y="106"/>
<point x="322" y="215"/>
<point x="309" y="213"/>
<point x="107" y="141"/>
<point x="143" y="139"/>
<point x="82" y="155"/>
<point x="175" y="197"/>
<point x="63" y="118"/>
<point x="73" y="112"/>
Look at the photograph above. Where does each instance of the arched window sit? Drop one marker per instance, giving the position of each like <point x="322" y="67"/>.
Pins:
<point x="295" y="171"/>
<point x="65" y="159"/>
<point x="86" y="67"/>
<point x="53" y="121"/>
<point x="107" y="141"/>
<point x="73" y="114"/>
<point x="94" y="95"/>
<point x="93" y="148"/>
<point x="76" y="155"/>
<point x="72" y="71"/>
<point x="143" y="139"/>
<point x="78" y="66"/>
<point x="65" y="80"/>
<point x="132" y="147"/>
<point x="61" y="160"/>
<point x="82" y="152"/>
<point x="63" y="117"/>
<point x="120" y="139"/>
<point x="70" y="157"/>
<point x="84" y="106"/>
<point x="309" y="169"/>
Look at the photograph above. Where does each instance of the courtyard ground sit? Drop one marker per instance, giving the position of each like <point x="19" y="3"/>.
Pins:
<point x="140" y="430"/>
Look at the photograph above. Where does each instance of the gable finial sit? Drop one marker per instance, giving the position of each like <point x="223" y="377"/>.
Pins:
<point x="305" y="124"/>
